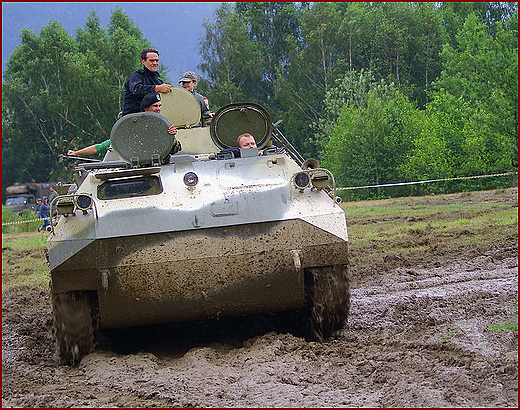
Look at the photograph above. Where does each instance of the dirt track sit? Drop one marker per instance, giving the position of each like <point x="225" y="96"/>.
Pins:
<point x="417" y="336"/>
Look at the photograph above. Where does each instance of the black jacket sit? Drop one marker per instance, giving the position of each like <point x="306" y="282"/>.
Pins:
<point x="140" y="83"/>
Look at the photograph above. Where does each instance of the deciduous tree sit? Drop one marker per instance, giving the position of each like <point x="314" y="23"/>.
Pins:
<point x="61" y="92"/>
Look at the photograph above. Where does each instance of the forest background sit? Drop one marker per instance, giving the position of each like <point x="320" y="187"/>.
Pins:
<point x="377" y="92"/>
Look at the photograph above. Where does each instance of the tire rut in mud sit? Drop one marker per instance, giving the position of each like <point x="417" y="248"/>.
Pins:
<point x="328" y="293"/>
<point x="76" y="324"/>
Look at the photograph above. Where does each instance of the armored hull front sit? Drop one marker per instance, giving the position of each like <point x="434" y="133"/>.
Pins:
<point x="237" y="242"/>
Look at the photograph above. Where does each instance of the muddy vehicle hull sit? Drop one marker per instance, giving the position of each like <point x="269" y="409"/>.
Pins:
<point x="201" y="236"/>
<point x="239" y="252"/>
<point x="176" y="276"/>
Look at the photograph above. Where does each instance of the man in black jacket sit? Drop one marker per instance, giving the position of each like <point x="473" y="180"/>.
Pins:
<point x="144" y="81"/>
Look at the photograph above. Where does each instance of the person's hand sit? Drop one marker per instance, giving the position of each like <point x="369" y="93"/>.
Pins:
<point x="172" y="130"/>
<point x="71" y="152"/>
<point x="163" y="88"/>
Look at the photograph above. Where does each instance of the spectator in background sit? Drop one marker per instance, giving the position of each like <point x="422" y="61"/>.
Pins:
<point x="45" y="212"/>
<point x="53" y="194"/>
<point x="38" y="205"/>
<point x="189" y="81"/>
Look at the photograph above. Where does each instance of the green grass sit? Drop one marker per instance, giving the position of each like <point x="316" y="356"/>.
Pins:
<point x="403" y="209"/>
<point x="15" y="223"/>
<point x="25" y="243"/>
<point x="471" y="223"/>
<point x="24" y="262"/>
<point x="509" y="326"/>
<point x="422" y="228"/>
<point x="32" y="272"/>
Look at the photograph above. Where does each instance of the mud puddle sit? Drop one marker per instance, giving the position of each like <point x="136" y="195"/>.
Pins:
<point x="418" y="337"/>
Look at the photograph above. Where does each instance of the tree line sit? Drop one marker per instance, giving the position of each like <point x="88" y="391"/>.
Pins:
<point x="378" y="92"/>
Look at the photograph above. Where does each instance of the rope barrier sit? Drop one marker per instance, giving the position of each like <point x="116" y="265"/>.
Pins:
<point x="354" y="187"/>
<point x="427" y="181"/>
<point x="22" y="222"/>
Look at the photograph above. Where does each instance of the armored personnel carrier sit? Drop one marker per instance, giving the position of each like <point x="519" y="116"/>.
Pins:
<point x="145" y="237"/>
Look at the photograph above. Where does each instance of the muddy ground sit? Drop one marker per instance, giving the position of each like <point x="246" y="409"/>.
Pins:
<point x="418" y="336"/>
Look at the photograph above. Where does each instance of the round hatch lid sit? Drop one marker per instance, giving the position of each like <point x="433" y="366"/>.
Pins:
<point x="233" y="120"/>
<point x="180" y="107"/>
<point x="142" y="138"/>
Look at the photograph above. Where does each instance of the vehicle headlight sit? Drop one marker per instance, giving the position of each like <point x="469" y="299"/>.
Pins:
<point x="84" y="202"/>
<point x="191" y="179"/>
<point x="65" y="206"/>
<point x="302" y="180"/>
<point x="320" y="179"/>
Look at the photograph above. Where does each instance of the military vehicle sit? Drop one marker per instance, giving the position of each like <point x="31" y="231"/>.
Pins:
<point x="21" y="196"/>
<point x="145" y="237"/>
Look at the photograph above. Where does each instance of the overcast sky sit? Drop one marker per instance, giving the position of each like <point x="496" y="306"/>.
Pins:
<point x="174" y="28"/>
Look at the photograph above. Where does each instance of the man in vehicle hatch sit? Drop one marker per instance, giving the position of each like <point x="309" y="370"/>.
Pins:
<point x="189" y="81"/>
<point x="151" y="103"/>
<point x="244" y="141"/>
<point x="143" y="81"/>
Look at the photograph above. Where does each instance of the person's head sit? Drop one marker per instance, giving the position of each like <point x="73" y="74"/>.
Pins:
<point x="151" y="102"/>
<point x="189" y="80"/>
<point x="45" y="199"/>
<point x="150" y="59"/>
<point x="246" y="141"/>
<point x="39" y="201"/>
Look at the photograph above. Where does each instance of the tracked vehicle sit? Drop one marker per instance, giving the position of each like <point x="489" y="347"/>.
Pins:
<point x="145" y="237"/>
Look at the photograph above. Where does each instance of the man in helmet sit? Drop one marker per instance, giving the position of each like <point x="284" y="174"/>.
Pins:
<point x="189" y="81"/>
<point x="144" y="81"/>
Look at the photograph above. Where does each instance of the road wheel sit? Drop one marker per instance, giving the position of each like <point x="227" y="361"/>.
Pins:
<point x="327" y="291"/>
<point x="76" y="322"/>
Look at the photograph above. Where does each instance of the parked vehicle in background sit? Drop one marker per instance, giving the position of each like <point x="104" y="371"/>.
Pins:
<point x="21" y="196"/>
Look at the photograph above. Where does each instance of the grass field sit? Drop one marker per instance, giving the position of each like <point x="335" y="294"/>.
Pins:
<point x="440" y="224"/>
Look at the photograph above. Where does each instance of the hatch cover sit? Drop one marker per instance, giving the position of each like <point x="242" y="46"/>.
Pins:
<point x="142" y="138"/>
<point x="233" y="120"/>
<point x="180" y="107"/>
